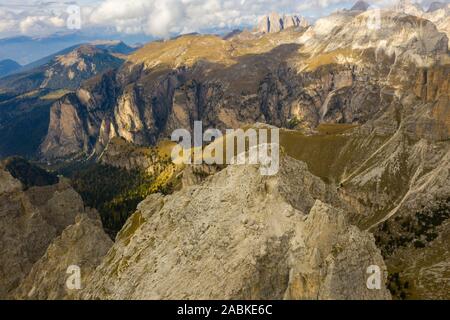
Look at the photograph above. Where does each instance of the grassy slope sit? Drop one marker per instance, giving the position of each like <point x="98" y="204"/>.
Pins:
<point x="331" y="154"/>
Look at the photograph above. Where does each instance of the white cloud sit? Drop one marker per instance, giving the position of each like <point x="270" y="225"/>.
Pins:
<point x="39" y="24"/>
<point x="161" y="18"/>
<point x="8" y="21"/>
<point x="30" y="20"/>
<point x="157" y="17"/>
<point x="164" y="17"/>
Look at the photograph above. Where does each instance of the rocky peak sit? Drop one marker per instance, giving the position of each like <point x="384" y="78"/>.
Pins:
<point x="273" y="23"/>
<point x="45" y="228"/>
<point x="360" y="6"/>
<point x="434" y="6"/>
<point x="438" y="13"/>
<point x="396" y="34"/>
<point x="88" y="50"/>
<point x="83" y="244"/>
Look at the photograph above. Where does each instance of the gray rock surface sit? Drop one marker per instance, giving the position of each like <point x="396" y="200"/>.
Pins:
<point x="29" y="222"/>
<point x="239" y="235"/>
<point x="81" y="244"/>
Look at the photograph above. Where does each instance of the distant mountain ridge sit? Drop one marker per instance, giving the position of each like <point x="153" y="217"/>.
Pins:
<point x="434" y="6"/>
<point x="8" y="66"/>
<point x="26" y="97"/>
<point x="62" y="71"/>
<point x="113" y="47"/>
<point x="26" y="50"/>
<point x="360" y="6"/>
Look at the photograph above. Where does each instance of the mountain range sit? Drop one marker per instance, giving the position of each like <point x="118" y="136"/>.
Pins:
<point x="26" y="50"/>
<point x="361" y="98"/>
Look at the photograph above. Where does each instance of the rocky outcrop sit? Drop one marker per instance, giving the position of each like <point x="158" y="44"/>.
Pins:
<point x="408" y="7"/>
<point x="30" y="220"/>
<point x="438" y="13"/>
<point x="122" y="154"/>
<point x="154" y="161"/>
<point x="240" y="238"/>
<point x="275" y="23"/>
<point x="337" y="251"/>
<point x="82" y="244"/>
<point x="9" y="184"/>
<point x="350" y="31"/>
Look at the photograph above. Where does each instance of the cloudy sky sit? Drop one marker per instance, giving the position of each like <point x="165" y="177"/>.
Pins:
<point x="158" y="18"/>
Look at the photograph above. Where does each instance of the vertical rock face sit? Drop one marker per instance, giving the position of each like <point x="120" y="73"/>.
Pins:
<point x="339" y="255"/>
<point x="239" y="235"/>
<point x="275" y="23"/>
<point x="79" y="117"/>
<point x="29" y="222"/>
<point x="67" y="130"/>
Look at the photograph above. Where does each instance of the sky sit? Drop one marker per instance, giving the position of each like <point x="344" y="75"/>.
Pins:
<point x="156" y="18"/>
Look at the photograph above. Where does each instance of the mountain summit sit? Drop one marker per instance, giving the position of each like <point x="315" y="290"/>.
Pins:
<point x="276" y="23"/>
<point x="434" y="6"/>
<point x="360" y="6"/>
